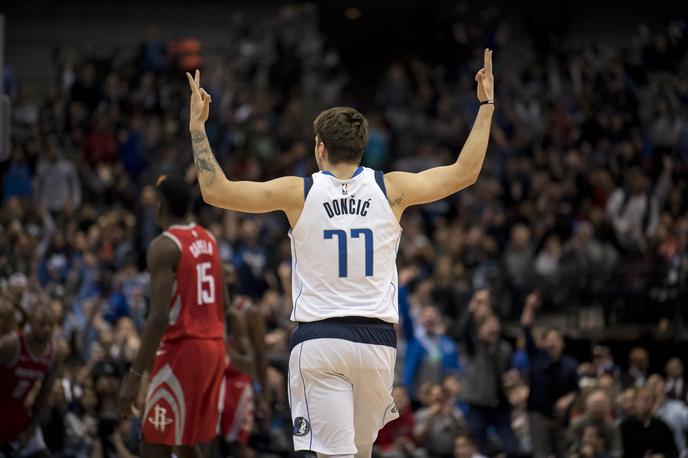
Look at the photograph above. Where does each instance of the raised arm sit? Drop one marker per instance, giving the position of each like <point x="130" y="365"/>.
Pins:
<point x="405" y="189"/>
<point x="527" y="320"/>
<point x="284" y="193"/>
<point x="405" y="316"/>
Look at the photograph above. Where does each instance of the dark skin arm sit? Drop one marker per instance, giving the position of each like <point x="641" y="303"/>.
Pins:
<point x="162" y="259"/>
<point x="240" y="348"/>
<point x="255" y="325"/>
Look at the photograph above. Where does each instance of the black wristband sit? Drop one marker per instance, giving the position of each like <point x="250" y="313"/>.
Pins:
<point x="487" y="102"/>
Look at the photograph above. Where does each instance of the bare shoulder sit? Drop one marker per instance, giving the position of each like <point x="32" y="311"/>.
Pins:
<point x="290" y="187"/>
<point x="397" y="186"/>
<point x="162" y="252"/>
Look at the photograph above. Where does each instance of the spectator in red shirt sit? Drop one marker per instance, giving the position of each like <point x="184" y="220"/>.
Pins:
<point x="395" y="440"/>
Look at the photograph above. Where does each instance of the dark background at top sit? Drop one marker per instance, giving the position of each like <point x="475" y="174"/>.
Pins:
<point x="385" y="31"/>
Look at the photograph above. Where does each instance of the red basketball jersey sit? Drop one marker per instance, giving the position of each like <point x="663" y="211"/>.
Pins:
<point x="20" y="383"/>
<point x="196" y="307"/>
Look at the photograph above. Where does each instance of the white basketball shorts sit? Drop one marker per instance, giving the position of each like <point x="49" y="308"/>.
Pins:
<point x="341" y="373"/>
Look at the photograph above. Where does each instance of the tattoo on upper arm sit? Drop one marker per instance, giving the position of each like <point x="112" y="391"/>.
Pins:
<point x="396" y="201"/>
<point x="206" y="164"/>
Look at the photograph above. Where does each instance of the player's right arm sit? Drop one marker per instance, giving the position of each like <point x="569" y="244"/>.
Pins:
<point x="162" y="258"/>
<point x="284" y="193"/>
<point x="405" y="189"/>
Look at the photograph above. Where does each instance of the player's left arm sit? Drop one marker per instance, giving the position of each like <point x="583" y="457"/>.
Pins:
<point x="240" y="351"/>
<point x="162" y="258"/>
<point x="255" y="325"/>
<point x="405" y="189"/>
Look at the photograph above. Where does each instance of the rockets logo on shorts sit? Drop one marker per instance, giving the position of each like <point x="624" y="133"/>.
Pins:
<point x="301" y="426"/>
<point x="159" y="419"/>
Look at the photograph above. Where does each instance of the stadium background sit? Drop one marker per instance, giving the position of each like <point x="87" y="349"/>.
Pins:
<point x="586" y="93"/>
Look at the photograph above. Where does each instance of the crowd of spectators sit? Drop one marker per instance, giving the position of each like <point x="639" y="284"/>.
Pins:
<point x="582" y="197"/>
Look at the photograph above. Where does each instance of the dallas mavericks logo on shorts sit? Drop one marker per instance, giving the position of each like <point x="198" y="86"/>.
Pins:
<point x="301" y="426"/>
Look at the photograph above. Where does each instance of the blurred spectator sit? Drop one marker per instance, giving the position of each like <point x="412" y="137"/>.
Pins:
<point x="636" y="375"/>
<point x="675" y="384"/>
<point x="518" y="398"/>
<point x="592" y="444"/>
<point x="395" y="439"/>
<point x="465" y="446"/>
<point x="553" y="385"/>
<point x="452" y="385"/>
<point x="518" y="258"/>
<point x="430" y="354"/>
<point x="488" y="358"/>
<point x="58" y="186"/>
<point x="17" y="179"/>
<point x="625" y="404"/>
<point x="643" y="433"/>
<point x="673" y="412"/>
<point x="603" y="362"/>
<point x="438" y="424"/>
<point x="634" y="209"/>
<point x="606" y="437"/>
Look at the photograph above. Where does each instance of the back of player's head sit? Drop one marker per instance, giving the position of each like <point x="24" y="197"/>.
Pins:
<point x="344" y="132"/>
<point x="175" y="193"/>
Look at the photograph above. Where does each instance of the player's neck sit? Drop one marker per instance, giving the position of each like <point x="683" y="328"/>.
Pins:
<point x="341" y="171"/>
<point x="175" y="222"/>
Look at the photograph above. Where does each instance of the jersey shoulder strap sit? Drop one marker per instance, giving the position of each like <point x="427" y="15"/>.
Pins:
<point x="307" y="185"/>
<point x="380" y="180"/>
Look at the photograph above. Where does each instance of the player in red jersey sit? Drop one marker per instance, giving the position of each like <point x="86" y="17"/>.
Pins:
<point x="183" y="338"/>
<point x="247" y="362"/>
<point x="28" y="366"/>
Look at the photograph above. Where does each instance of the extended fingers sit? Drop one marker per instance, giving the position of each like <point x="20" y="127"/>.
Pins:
<point x="197" y="77"/>
<point x="488" y="61"/>
<point x="192" y="83"/>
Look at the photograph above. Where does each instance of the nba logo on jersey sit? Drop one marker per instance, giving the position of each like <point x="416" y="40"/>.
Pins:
<point x="345" y="188"/>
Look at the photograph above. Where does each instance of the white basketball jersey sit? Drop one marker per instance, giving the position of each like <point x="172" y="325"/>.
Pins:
<point x="344" y="249"/>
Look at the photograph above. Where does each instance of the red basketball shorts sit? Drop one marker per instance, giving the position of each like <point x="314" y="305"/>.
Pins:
<point x="183" y="399"/>
<point x="237" y="417"/>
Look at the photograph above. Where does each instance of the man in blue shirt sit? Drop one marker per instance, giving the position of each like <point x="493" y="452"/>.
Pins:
<point x="430" y="353"/>
<point x="553" y="385"/>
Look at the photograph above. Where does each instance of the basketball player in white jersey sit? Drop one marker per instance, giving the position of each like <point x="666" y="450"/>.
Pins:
<point x="345" y="235"/>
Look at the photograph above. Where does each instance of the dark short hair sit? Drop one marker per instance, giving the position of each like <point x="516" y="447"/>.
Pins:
<point x="344" y="132"/>
<point x="176" y="193"/>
